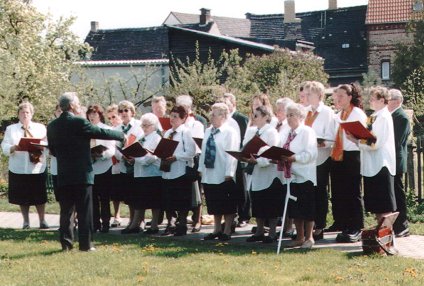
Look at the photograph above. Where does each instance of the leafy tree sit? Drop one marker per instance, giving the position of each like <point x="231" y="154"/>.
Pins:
<point x="37" y="58"/>
<point x="409" y="57"/>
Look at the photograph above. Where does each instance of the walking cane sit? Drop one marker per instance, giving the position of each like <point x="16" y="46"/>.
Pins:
<point x="286" y="202"/>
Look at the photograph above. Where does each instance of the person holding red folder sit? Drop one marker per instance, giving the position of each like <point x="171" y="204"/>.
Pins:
<point x="27" y="176"/>
<point x="299" y="170"/>
<point x="132" y="129"/>
<point x="378" y="160"/>
<point x="345" y="172"/>
<point x="148" y="177"/>
<point x="321" y="119"/>
<point x="177" y="187"/>
<point x="265" y="188"/>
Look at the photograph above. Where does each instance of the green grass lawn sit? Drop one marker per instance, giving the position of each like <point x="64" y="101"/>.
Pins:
<point x="34" y="258"/>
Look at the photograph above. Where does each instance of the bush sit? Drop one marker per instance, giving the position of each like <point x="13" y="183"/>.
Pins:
<point x="415" y="209"/>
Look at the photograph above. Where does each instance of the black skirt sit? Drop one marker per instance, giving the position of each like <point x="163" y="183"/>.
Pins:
<point x="117" y="193"/>
<point x="148" y="194"/>
<point x="379" y="194"/>
<point x="176" y="194"/>
<point x="103" y="183"/>
<point x="27" y="189"/>
<point x="221" y="198"/>
<point x="304" y="207"/>
<point x="268" y="203"/>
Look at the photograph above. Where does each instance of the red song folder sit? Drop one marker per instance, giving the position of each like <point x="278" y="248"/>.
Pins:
<point x="251" y="148"/>
<point x="165" y="148"/>
<point x="27" y="144"/>
<point x="134" y="150"/>
<point x="275" y="153"/>
<point x="358" y="130"/>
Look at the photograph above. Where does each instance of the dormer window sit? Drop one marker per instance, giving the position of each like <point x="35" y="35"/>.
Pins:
<point x="345" y="46"/>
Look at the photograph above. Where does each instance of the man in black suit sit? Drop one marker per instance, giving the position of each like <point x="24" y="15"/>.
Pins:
<point x="69" y="141"/>
<point x="243" y="207"/>
<point x="402" y="130"/>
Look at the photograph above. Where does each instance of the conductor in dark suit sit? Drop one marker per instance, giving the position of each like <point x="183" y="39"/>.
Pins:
<point x="402" y="130"/>
<point x="243" y="207"/>
<point x="69" y="141"/>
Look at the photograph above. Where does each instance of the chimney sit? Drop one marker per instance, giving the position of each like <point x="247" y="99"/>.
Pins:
<point x="332" y="4"/>
<point x="94" y="26"/>
<point x="205" y="16"/>
<point x="289" y="12"/>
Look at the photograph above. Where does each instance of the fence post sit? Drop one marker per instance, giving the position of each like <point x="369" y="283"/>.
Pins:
<point x="419" y="167"/>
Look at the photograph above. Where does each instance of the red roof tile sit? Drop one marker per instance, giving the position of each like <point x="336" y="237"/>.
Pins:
<point x="389" y="11"/>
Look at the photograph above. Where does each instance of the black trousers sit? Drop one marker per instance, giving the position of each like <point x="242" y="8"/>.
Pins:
<point x="243" y="198"/>
<point x="78" y="197"/>
<point x="101" y="199"/>
<point x="401" y="222"/>
<point x="321" y="194"/>
<point x="346" y="198"/>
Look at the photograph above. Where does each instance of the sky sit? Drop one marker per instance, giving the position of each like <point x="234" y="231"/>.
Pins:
<point x="113" y="14"/>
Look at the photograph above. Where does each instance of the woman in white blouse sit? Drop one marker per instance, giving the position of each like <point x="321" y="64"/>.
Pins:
<point x="132" y="129"/>
<point x="27" y="176"/>
<point x="148" y="177"/>
<point x="347" y="203"/>
<point x="177" y="188"/>
<point x="378" y="159"/>
<point x="218" y="171"/>
<point x="102" y="168"/>
<point x="266" y="191"/>
<point x="321" y="118"/>
<point x="300" y="170"/>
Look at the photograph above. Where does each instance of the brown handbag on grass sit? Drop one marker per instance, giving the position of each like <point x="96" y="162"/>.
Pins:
<point x="380" y="239"/>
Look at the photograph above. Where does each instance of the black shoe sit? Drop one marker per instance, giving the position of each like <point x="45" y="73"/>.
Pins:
<point x="67" y="247"/>
<point x="255" y="238"/>
<point x="212" y="236"/>
<point x="91" y="249"/>
<point x="319" y="235"/>
<point x="115" y="223"/>
<point x="151" y="231"/>
<point x="333" y="228"/>
<point x="131" y="230"/>
<point x="268" y="239"/>
<point x="181" y="230"/>
<point x="224" y="237"/>
<point x="44" y="225"/>
<point x="169" y="230"/>
<point x="349" y="236"/>
<point x="403" y="233"/>
<point x="196" y="229"/>
<point x="266" y="229"/>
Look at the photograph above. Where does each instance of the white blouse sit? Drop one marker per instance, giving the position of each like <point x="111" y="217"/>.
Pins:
<point x="134" y="130"/>
<point x="304" y="145"/>
<point x="323" y="126"/>
<point x="264" y="171"/>
<point x="103" y="164"/>
<point x="382" y="153"/>
<point x="356" y="115"/>
<point x="148" y="165"/>
<point x="196" y="128"/>
<point x="184" y="152"/>
<point x="225" y="165"/>
<point x="19" y="162"/>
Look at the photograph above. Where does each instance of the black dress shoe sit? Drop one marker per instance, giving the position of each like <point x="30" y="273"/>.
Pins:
<point x="333" y="228"/>
<point x="131" y="230"/>
<point x="403" y="233"/>
<point x="212" y="236"/>
<point x="255" y="238"/>
<point x="224" y="237"/>
<point x="67" y="247"/>
<point x="269" y="239"/>
<point x="318" y="236"/>
<point x="181" y="230"/>
<point x="169" y="230"/>
<point x="91" y="249"/>
<point x="349" y="236"/>
<point x="152" y="231"/>
<point x="196" y="229"/>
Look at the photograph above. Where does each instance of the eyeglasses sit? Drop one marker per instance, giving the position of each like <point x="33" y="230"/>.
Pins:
<point x="146" y="125"/>
<point x="112" y="117"/>
<point x="255" y="115"/>
<point x="123" y="110"/>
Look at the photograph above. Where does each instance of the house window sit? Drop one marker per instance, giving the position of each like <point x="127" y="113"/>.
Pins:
<point x="385" y="70"/>
<point x="345" y="46"/>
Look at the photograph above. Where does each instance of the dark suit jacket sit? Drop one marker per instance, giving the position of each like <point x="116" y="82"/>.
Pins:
<point x="69" y="141"/>
<point x="201" y="119"/>
<point x="242" y="121"/>
<point x="402" y="129"/>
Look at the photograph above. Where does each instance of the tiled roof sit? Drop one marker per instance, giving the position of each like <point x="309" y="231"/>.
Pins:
<point x="234" y="27"/>
<point x="122" y="63"/>
<point x="389" y="11"/>
<point x="129" y="44"/>
<point x="329" y="30"/>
